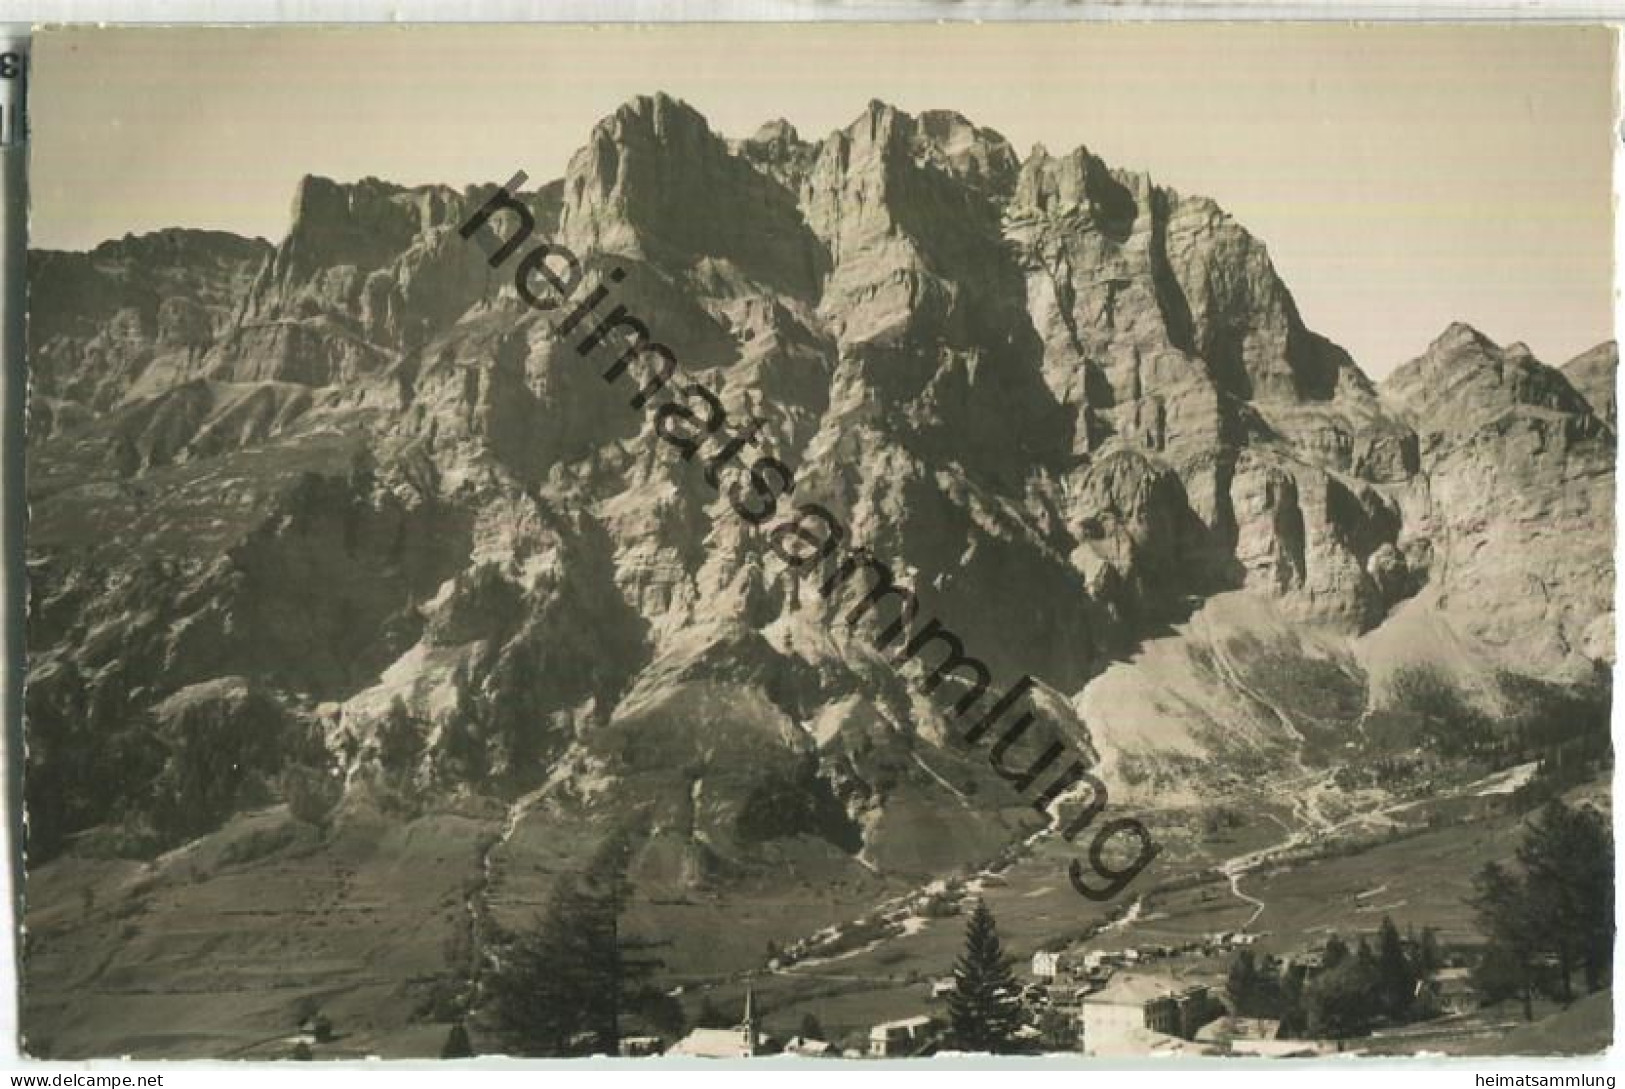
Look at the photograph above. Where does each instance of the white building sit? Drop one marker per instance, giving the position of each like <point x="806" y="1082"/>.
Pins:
<point x="637" y="1047"/>
<point x="810" y="1048"/>
<point x="1046" y="965"/>
<point x="894" y="1039"/>
<point x="1256" y="1036"/>
<point x="1096" y="959"/>
<point x="743" y="1041"/>
<point x="1138" y="1014"/>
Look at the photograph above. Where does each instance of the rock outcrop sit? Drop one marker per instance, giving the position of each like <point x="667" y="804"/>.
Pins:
<point x="1514" y="501"/>
<point x="1064" y="404"/>
<point x="1595" y="374"/>
<point x="99" y="321"/>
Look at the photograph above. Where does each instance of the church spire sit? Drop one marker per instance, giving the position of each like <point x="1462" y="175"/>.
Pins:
<point x="748" y="1027"/>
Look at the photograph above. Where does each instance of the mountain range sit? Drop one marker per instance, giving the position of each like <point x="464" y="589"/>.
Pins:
<point x="343" y="507"/>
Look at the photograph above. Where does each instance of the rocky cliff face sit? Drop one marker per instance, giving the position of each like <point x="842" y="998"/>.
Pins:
<point x="357" y="475"/>
<point x="1594" y="374"/>
<point x="1514" y="500"/>
<point x="99" y="321"/>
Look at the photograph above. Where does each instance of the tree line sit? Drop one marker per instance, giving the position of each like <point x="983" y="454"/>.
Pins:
<point x="1551" y="912"/>
<point x="1349" y="992"/>
<point x="563" y="986"/>
<point x="1546" y="917"/>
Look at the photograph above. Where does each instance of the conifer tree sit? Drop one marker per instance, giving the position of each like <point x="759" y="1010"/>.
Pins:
<point x="1568" y="857"/>
<point x="457" y="1045"/>
<point x="1396" y="980"/>
<point x="984" y="1008"/>
<point x="563" y="986"/>
<point x="1504" y="913"/>
<point x="1336" y="952"/>
<point x="1428" y="957"/>
<point x="1241" y="985"/>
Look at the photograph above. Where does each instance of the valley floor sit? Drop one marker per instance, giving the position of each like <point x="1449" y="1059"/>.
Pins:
<point x="210" y="950"/>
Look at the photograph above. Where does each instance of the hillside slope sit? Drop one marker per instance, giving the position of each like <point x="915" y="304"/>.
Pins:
<point x="348" y="505"/>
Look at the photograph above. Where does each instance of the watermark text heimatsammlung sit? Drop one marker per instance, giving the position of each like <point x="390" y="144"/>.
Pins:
<point x="690" y="417"/>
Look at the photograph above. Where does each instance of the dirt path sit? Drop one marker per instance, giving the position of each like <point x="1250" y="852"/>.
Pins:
<point x="1234" y="877"/>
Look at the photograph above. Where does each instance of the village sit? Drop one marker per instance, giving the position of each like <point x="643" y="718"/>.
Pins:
<point x="1147" y="1000"/>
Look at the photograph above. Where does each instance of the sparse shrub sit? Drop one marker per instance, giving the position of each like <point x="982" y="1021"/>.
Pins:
<point x="443" y="1001"/>
<point x="130" y="838"/>
<point x="214" y="746"/>
<point x="1443" y="720"/>
<point x="856" y="935"/>
<point x="305" y="1007"/>
<point x="400" y="740"/>
<point x="797" y="802"/>
<point x="311" y="793"/>
<point x="259" y="844"/>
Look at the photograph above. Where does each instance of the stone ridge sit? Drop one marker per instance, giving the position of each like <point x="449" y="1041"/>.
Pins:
<point x="1065" y="404"/>
<point x="1594" y="374"/>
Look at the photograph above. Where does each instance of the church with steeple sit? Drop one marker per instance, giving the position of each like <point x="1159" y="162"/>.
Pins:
<point x="743" y="1041"/>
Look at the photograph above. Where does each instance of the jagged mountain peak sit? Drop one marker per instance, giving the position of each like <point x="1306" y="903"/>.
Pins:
<point x="1594" y="373"/>
<point x="370" y="504"/>
<point x="776" y="131"/>
<point x="1465" y="379"/>
<point x="1051" y="367"/>
<point x="655" y="183"/>
<point x="1458" y="335"/>
<point x="658" y="115"/>
<point x="978" y="157"/>
<point x="1605" y="353"/>
<point x="179" y="243"/>
<point x="1075" y="180"/>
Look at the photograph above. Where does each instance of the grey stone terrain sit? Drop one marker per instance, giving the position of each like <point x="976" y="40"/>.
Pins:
<point x="345" y="503"/>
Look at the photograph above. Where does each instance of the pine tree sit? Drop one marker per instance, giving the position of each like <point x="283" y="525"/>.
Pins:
<point x="1499" y="974"/>
<point x="563" y="986"/>
<point x="984" y="1008"/>
<point x="1562" y="904"/>
<point x="1504" y="912"/>
<point x="1338" y="1003"/>
<point x="1366" y="955"/>
<point x="1396" y="981"/>
<point x="1293" y="1017"/>
<point x="457" y="1045"/>
<point x="1428" y="957"/>
<point x="611" y="959"/>
<point x="1568" y="857"/>
<point x="533" y="994"/>
<point x="1241" y="986"/>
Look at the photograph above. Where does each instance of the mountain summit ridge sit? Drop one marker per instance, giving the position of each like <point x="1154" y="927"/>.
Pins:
<point x="1068" y="405"/>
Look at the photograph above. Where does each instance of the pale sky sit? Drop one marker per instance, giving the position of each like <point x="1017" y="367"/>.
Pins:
<point x="1402" y="177"/>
